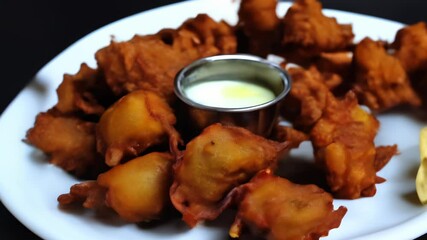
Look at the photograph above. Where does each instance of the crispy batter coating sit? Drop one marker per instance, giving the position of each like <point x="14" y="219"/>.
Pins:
<point x="343" y="141"/>
<point x="138" y="64"/>
<point x="216" y="161"/>
<point x="90" y="194"/>
<point x="137" y="190"/>
<point x="307" y="32"/>
<point x="410" y="45"/>
<point x="289" y="134"/>
<point x="275" y="208"/>
<point x="259" y="25"/>
<point x="381" y="81"/>
<point x="135" y="122"/>
<point x="84" y="92"/>
<point x="307" y="98"/>
<point x="337" y="70"/>
<point x="69" y="142"/>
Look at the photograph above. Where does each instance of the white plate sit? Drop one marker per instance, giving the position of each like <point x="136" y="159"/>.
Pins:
<point x="29" y="186"/>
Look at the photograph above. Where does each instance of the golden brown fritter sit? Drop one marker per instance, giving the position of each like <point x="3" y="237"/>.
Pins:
<point x="410" y="45"/>
<point x="90" y="194"/>
<point x="84" y="92"/>
<point x="68" y="141"/>
<point x="274" y="208"/>
<point x="259" y="26"/>
<point x="381" y="82"/>
<point x="289" y="134"/>
<point x="137" y="121"/>
<point x="213" y="163"/>
<point x="343" y="141"/>
<point x="307" y="32"/>
<point x="307" y="98"/>
<point x="137" y="190"/>
<point x="151" y="62"/>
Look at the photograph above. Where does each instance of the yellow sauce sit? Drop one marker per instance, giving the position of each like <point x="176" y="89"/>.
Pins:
<point x="228" y="93"/>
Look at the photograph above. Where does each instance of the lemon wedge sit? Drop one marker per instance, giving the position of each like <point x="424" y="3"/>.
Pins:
<point x="421" y="180"/>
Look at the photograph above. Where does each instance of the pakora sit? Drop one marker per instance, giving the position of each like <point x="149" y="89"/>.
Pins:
<point x="137" y="64"/>
<point x="137" y="121"/>
<point x="259" y="26"/>
<point x="213" y="163"/>
<point x="307" y="32"/>
<point x="343" y="142"/>
<point x="381" y="82"/>
<point x="275" y="208"/>
<point x="84" y="93"/>
<point x="137" y="190"/>
<point x="69" y="143"/>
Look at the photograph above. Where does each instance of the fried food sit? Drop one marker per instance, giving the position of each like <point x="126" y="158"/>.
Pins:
<point x="83" y="93"/>
<point x="137" y="121"/>
<point x="68" y="141"/>
<point x="213" y="163"/>
<point x="289" y="134"/>
<point x="275" y="208"/>
<point x="306" y="100"/>
<point x="343" y="141"/>
<point x="137" y="190"/>
<point x="421" y="178"/>
<point x="410" y="45"/>
<point x="89" y="193"/>
<point x="259" y="25"/>
<point x="381" y="82"/>
<point x="137" y="64"/>
<point x="307" y="32"/>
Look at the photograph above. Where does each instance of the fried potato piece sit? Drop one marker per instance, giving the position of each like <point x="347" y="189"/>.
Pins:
<point x="410" y="45"/>
<point x="307" y="32"/>
<point x="275" y="208"/>
<point x="343" y="141"/>
<point x="85" y="92"/>
<point x="137" y="64"/>
<point x="69" y="142"/>
<point x="381" y="82"/>
<point x="137" y="190"/>
<point x="216" y="161"/>
<point x="259" y="25"/>
<point x="135" y="122"/>
<point x="306" y="100"/>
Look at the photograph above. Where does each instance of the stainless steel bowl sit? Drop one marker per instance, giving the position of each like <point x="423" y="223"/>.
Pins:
<point x="259" y="118"/>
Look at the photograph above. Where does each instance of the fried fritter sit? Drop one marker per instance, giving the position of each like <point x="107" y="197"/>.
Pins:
<point x="134" y="123"/>
<point x="85" y="92"/>
<point x="307" y="32"/>
<point x="137" y="190"/>
<point x="381" y="82"/>
<point x="289" y="134"/>
<point x="306" y="100"/>
<point x="89" y="193"/>
<point x="410" y="45"/>
<point x="259" y="25"/>
<point x="213" y="163"/>
<point x="151" y="62"/>
<point x="343" y="141"/>
<point x="275" y="208"/>
<point x="69" y="142"/>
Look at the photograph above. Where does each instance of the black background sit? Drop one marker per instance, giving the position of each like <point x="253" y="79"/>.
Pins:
<point x="33" y="32"/>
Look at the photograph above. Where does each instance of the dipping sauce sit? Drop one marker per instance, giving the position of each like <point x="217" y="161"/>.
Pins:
<point x="235" y="90"/>
<point x="228" y="93"/>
